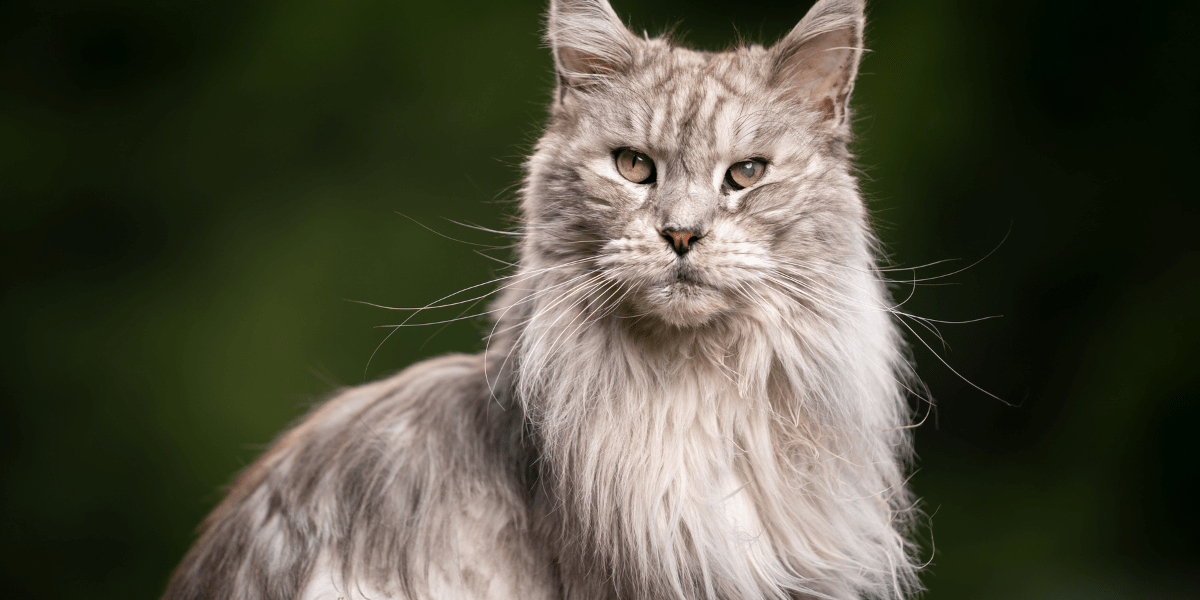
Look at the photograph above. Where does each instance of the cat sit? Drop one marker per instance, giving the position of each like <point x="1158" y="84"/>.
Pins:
<point x="694" y="386"/>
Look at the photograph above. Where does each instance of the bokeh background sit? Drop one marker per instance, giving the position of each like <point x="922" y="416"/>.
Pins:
<point x="191" y="191"/>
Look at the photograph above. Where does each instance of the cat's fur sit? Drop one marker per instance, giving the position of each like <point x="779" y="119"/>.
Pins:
<point x="727" y="423"/>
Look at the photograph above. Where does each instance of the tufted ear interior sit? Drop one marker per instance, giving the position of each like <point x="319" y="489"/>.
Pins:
<point x="818" y="60"/>
<point x="589" y="42"/>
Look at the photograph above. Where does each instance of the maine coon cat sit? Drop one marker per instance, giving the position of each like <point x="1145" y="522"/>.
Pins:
<point x="693" y="387"/>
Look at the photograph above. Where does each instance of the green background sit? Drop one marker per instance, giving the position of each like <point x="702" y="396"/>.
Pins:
<point x="190" y="190"/>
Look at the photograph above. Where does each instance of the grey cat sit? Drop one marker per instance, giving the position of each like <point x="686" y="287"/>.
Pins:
<point x="694" y="387"/>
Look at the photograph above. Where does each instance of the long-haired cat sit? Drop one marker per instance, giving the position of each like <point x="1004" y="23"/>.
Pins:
<point x="693" y="388"/>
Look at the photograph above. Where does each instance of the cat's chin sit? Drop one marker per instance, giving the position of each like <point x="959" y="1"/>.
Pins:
<point x="685" y="303"/>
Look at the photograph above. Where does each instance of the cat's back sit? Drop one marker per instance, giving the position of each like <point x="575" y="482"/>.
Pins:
<point x="415" y="481"/>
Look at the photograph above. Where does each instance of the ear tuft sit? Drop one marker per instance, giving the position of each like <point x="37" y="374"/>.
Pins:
<point x="818" y="60"/>
<point x="589" y="42"/>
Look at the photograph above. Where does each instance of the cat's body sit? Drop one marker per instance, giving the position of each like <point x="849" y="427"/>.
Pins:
<point x="694" y="385"/>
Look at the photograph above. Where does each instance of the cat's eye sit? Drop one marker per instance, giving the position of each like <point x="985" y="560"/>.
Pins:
<point x="634" y="166"/>
<point x="745" y="174"/>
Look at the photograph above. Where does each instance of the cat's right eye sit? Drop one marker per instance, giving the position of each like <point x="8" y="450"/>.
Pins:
<point x="634" y="166"/>
<point x="745" y="174"/>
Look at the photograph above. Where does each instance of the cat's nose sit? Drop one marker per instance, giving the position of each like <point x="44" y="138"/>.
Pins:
<point x="680" y="239"/>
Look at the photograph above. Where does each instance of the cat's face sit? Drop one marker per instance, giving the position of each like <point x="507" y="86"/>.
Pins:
<point x="692" y="184"/>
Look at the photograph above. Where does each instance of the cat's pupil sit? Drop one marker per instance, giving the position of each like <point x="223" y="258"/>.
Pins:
<point x="748" y="169"/>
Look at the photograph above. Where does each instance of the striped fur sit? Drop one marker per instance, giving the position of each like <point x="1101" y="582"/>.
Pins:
<point x="727" y="423"/>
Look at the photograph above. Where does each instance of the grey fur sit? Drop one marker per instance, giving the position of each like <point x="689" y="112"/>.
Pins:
<point x="729" y="423"/>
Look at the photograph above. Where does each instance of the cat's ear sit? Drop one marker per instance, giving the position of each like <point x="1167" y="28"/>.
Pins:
<point x="589" y="42"/>
<point x="818" y="60"/>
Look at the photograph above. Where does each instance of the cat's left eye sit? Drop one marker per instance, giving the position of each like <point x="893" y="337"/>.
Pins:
<point x="634" y="165"/>
<point x="745" y="174"/>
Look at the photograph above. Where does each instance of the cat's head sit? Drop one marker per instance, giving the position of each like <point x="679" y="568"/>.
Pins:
<point x="688" y="184"/>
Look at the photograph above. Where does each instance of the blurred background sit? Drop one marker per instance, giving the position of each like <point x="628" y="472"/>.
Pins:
<point x="191" y="191"/>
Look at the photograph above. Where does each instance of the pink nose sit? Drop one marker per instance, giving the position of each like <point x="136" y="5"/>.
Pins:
<point x="681" y="241"/>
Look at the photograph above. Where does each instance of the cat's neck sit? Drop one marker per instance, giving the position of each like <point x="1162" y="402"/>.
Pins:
<point x="649" y="440"/>
<point x="648" y="448"/>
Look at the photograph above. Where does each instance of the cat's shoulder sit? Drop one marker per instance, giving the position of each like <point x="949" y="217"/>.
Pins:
<point x="425" y="413"/>
<point x="417" y="475"/>
<point x="426" y="393"/>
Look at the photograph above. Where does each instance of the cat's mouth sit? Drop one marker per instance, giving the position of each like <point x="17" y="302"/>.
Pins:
<point x="685" y="300"/>
<point x="682" y="293"/>
<point x="686" y="277"/>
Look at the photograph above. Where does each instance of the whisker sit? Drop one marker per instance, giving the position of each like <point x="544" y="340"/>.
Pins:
<point x="947" y="365"/>
<point x="485" y="229"/>
<point x="499" y="260"/>
<point x="533" y="297"/>
<point x="432" y="230"/>
<point x="460" y="317"/>
<point x="433" y="305"/>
